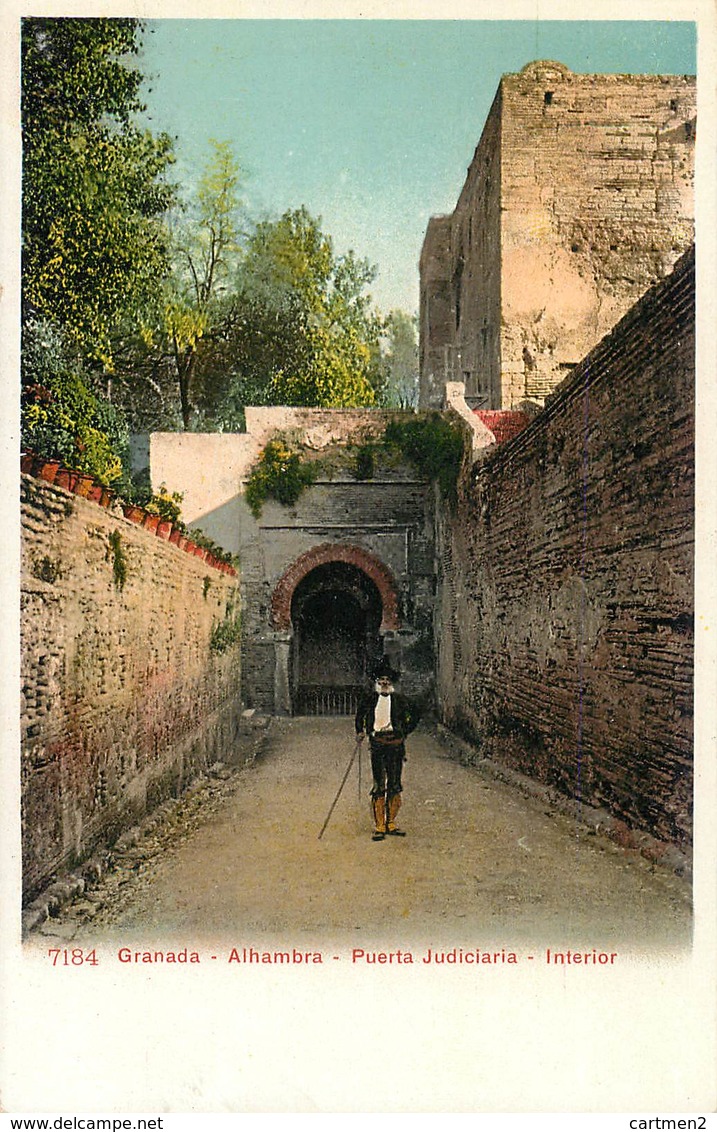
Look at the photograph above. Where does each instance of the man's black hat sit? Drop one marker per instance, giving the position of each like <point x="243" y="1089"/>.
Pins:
<point x="385" y="668"/>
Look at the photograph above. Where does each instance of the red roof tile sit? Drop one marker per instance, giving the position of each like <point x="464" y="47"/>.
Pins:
<point x="503" y="423"/>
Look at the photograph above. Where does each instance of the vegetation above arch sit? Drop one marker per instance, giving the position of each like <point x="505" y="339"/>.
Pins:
<point x="433" y="445"/>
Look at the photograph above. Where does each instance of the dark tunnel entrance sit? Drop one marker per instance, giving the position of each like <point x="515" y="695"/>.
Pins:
<point x="336" y="614"/>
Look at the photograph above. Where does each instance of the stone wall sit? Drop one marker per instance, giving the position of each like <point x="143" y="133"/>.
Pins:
<point x="597" y="192"/>
<point x="210" y="469"/>
<point x="387" y="518"/>
<point x="565" y="601"/>
<point x="124" y="699"/>
<point x="579" y="197"/>
<point x="476" y="283"/>
<point x="436" y="329"/>
<point x="383" y="526"/>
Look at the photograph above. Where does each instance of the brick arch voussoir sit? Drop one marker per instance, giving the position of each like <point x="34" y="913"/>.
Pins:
<point x="379" y="574"/>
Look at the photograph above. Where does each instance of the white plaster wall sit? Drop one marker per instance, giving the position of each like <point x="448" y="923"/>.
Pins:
<point x="208" y="469"/>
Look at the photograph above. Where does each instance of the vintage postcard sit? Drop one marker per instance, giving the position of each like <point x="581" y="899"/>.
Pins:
<point x="358" y="720"/>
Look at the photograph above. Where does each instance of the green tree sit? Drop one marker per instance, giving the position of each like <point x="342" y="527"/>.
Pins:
<point x="400" y="360"/>
<point x="94" y="187"/>
<point x="205" y="250"/>
<point x="61" y="417"/>
<point x="183" y="336"/>
<point x="300" y="328"/>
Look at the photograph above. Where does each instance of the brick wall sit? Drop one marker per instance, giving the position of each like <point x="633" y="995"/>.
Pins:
<point x="565" y="600"/>
<point x="123" y="700"/>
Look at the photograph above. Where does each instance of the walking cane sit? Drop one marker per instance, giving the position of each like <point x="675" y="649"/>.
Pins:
<point x="343" y="783"/>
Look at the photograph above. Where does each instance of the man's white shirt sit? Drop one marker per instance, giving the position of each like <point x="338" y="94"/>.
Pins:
<point x="382" y="717"/>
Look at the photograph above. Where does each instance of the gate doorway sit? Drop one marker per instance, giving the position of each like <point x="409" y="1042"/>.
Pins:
<point x="336" y="613"/>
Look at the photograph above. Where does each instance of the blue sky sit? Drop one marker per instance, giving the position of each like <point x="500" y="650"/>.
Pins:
<point x="369" y="123"/>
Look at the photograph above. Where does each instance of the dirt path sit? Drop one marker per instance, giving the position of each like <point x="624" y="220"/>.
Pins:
<point x="481" y="865"/>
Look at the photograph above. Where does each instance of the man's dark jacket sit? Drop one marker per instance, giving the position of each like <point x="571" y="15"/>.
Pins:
<point x="404" y="715"/>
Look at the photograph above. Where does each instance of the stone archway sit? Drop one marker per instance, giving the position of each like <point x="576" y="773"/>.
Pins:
<point x="330" y="611"/>
<point x="336" y="616"/>
<point x="379" y="574"/>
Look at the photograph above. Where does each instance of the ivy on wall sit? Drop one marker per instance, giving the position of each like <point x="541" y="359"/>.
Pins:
<point x="428" y="441"/>
<point x="119" y="560"/>
<point x="281" y="474"/>
<point x="364" y="463"/>
<point x="227" y="633"/>
<point x="433" y="445"/>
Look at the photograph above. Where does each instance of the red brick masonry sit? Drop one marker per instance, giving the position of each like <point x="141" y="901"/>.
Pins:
<point x="379" y="574"/>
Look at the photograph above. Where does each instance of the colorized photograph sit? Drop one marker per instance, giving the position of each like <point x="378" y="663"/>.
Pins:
<point x="357" y="438"/>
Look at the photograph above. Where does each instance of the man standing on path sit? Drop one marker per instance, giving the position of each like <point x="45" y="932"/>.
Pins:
<point x="387" y="718"/>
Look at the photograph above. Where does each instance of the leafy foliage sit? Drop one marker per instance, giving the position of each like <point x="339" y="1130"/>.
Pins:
<point x="119" y="560"/>
<point x="364" y="465"/>
<point x="299" y="328"/>
<point x="227" y="633"/>
<point x="400" y="360"/>
<point x="433" y="445"/>
<point x="167" y="505"/>
<point x="279" y="474"/>
<point x="94" y="187"/>
<point x="268" y="315"/>
<point x="204" y="251"/>
<point x="61" y="417"/>
<point x="183" y="337"/>
<point x="189" y="313"/>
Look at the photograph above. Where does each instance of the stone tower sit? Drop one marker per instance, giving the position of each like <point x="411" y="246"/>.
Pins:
<point x="578" y="198"/>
